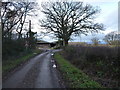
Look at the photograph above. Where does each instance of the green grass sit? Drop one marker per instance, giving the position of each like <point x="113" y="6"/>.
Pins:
<point x="74" y="77"/>
<point x="9" y="65"/>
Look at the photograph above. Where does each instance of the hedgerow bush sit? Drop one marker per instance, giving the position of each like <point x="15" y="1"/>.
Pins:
<point x="97" y="61"/>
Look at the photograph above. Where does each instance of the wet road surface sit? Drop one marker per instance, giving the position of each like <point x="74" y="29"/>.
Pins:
<point x="39" y="72"/>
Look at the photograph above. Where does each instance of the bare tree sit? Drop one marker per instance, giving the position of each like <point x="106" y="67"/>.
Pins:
<point x="27" y="9"/>
<point x="112" y="38"/>
<point x="13" y="16"/>
<point x="9" y="17"/>
<point x="95" y="41"/>
<point x="64" y="19"/>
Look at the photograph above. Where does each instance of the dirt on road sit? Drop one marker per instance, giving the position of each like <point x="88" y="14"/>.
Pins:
<point x="39" y="72"/>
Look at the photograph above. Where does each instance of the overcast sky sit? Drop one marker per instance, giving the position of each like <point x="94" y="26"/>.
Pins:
<point x="108" y="16"/>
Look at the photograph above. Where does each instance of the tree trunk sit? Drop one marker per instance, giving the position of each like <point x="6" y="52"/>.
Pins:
<point x="65" y="43"/>
<point x="19" y="35"/>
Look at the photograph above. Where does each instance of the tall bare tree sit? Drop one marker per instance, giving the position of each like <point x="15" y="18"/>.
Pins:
<point x="13" y="16"/>
<point x="113" y="38"/>
<point x="64" y="19"/>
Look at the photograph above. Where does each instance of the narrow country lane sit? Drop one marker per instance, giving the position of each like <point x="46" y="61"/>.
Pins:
<point x="39" y="72"/>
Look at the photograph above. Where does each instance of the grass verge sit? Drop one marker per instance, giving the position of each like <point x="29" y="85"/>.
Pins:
<point x="9" y="65"/>
<point x="74" y="77"/>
